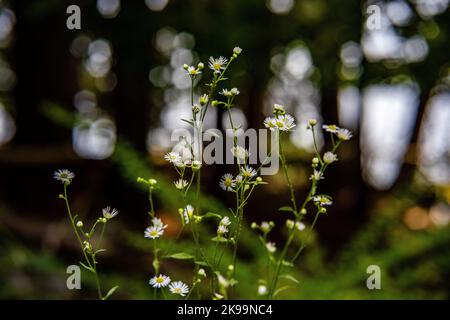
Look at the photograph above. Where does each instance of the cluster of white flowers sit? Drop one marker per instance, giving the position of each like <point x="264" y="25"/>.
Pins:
<point x="64" y="175"/>
<point x="156" y="230"/>
<point x="194" y="71"/>
<point x="230" y="93"/>
<point x="341" y="133"/>
<point x="177" y="160"/>
<point x="282" y="122"/>
<point x="222" y="229"/>
<point x="175" y="287"/>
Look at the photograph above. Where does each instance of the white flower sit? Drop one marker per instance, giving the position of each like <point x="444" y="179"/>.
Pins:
<point x="196" y="164"/>
<point x="159" y="281"/>
<point x="285" y="122"/>
<point x="179" y="287"/>
<point x="222" y="230"/>
<point x="316" y="176"/>
<point x="109" y="214"/>
<point x="330" y="128"/>
<point x="225" y="221"/>
<point x="203" y="100"/>
<point x="265" y="226"/>
<point x="270" y="246"/>
<point x="64" y="175"/>
<point x="269" y="123"/>
<point x="193" y="71"/>
<point x="281" y="122"/>
<point x="240" y="153"/>
<point x="226" y="93"/>
<point x="227" y="183"/>
<point x="237" y="50"/>
<point x="173" y="157"/>
<point x="238" y="179"/>
<point x="322" y="200"/>
<point x="248" y="172"/>
<point x="153" y="232"/>
<point x="262" y="290"/>
<point x="300" y="226"/>
<point x="188" y="212"/>
<point x="157" y="222"/>
<point x="180" y="184"/>
<point x="329" y="157"/>
<point x="201" y="272"/>
<point x="223" y="282"/>
<point x="235" y="91"/>
<point x="217" y="65"/>
<point x="344" y="134"/>
<point x="217" y="296"/>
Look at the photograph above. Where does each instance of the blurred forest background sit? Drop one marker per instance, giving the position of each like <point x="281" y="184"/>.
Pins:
<point x="102" y="101"/>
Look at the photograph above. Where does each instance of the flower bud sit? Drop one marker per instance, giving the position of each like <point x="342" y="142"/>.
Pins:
<point x="312" y="122"/>
<point x="185" y="66"/>
<point x="200" y="65"/>
<point x="80" y="224"/>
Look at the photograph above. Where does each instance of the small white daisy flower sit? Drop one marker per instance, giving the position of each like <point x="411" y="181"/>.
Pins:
<point x="178" y="287"/>
<point x="173" y="157"/>
<point x="108" y="213"/>
<point x="329" y="157"/>
<point x="248" y="172"/>
<point x="316" y="176"/>
<point x="322" y="200"/>
<point x="344" y="134"/>
<point x="225" y="221"/>
<point x="300" y="226"/>
<point x="153" y="232"/>
<point x="332" y="128"/>
<point x="262" y="290"/>
<point x="237" y="50"/>
<point x="240" y="152"/>
<point x="217" y="65"/>
<point x="193" y="71"/>
<point x="235" y="91"/>
<point x="157" y="222"/>
<point x="180" y="184"/>
<point x="188" y="212"/>
<point x="270" y="123"/>
<point x="159" y="281"/>
<point x="222" y="230"/>
<point x="64" y="175"/>
<point x="271" y="247"/>
<point x="227" y="183"/>
<point x="285" y="122"/>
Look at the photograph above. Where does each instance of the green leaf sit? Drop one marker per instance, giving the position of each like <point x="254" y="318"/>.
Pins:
<point x="286" y="209"/>
<point x="287" y="263"/>
<point x="219" y="239"/>
<point x="290" y="277"/>
<point x="100" y="250"/>
<point x="86" y="267"/>
<point x="181" y="256"/>
<point x="278" y="291"/>
<point x="212" y="215"/>
<point x="110" y="292"/>
<point x="188" y="121"/>
<point x="201" y="263"/>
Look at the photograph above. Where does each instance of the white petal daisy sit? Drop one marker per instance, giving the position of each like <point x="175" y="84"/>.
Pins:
<point x="180" y="184"/>
<point x="64" y="175"/>
<point x="157" y="222"/>
<point x="329" y="157"/>
<point x="227" y="183"/>
<point x="173" y="157"/>
<point x="222" y="230"/>
<point x="316" y="176"/>
<point x="153" y="232"/>
<point x="344" y="134"/>
<point x="159" y="281"/>
<point x="225" y="221"/>
<point x="248" y="172"/>
<point x="322" y="200"/>
<point x="108" y="213"/>
<point x="271" y="247"/>
<point x="332" y="128"/>
<point x="178" y="287"/>
<point x="217" y="65"/>
<point x="270" y="123"/>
